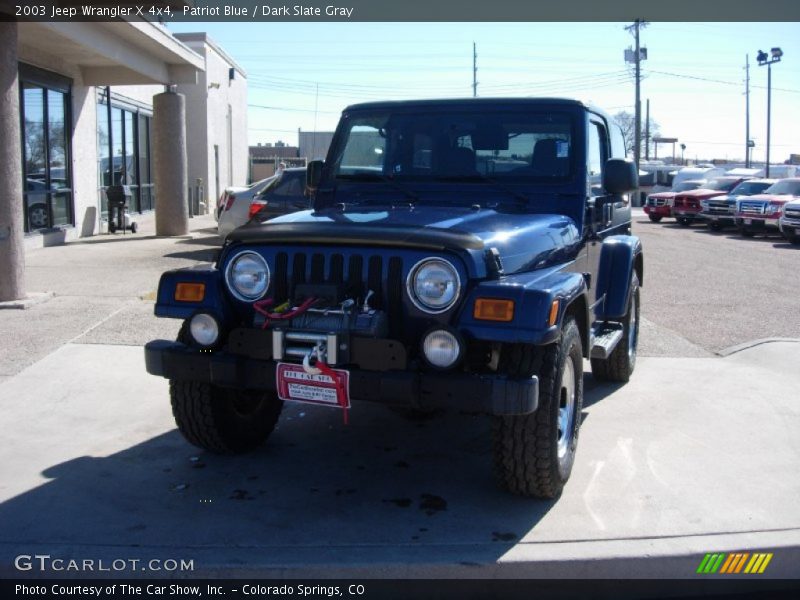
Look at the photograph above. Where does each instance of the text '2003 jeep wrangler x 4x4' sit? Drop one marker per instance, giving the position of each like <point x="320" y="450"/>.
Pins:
<point x="460" y="253"/>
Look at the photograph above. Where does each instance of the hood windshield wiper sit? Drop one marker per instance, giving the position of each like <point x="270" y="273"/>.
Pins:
<point x="388" y="180"/>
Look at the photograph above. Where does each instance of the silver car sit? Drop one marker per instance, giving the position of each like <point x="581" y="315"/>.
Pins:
<point x="234" y="205"/>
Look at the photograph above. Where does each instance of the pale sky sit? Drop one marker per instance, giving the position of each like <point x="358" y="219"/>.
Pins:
<point x="306" y="73"/>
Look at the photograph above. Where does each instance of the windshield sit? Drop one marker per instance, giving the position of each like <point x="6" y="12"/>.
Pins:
<point x="721" y="185"/>
<point x="748" y="188"/>
<point x="686" y="186"/>
<point x="790" y="188"/>
<point x="459" y="145"/>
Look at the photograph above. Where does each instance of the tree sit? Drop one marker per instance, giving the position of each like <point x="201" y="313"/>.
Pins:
<point x="627" y="121"/>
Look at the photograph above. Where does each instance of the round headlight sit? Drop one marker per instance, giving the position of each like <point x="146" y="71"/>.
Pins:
<point x="247" y="276"/>
<point x="204" y="329"/>
<point x="441" y="348"/>
<point x="433" y="285"/>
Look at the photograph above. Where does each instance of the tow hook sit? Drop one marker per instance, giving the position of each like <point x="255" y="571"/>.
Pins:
<point x="316" y="352"/>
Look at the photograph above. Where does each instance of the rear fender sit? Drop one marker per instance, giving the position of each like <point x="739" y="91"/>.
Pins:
<point x="620" y="256"/>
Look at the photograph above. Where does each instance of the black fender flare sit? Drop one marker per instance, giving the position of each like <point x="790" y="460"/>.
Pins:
<point x="620" y="256"/>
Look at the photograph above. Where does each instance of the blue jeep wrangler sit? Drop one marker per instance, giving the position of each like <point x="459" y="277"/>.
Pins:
<point x="461" y="253"/>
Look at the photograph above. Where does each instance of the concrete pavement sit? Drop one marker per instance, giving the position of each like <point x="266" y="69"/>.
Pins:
<point x="92" y="467"/>
<point x="696" y="454"/>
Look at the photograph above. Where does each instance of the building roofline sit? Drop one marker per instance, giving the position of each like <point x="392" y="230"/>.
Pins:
<point x="202" y="36"/>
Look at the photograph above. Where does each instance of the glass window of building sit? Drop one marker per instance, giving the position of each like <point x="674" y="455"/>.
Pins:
<point x="123" y="153"/>
<point x="46" y="133"/>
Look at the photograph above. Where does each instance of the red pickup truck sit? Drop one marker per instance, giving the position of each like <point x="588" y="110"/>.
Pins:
<point x="686" y="205"/>
<point x="659" y="205"/>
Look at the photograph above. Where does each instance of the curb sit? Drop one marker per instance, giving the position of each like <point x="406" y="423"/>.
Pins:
<point x="752" y="344"/>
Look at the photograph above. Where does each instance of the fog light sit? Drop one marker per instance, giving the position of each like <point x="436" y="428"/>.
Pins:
<point x="441" y="348"/>
<point x="204" y="329"/>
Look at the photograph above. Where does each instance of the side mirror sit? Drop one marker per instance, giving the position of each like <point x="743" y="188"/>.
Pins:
<point x="620" y="176"/>
<point x="314" y="174"/>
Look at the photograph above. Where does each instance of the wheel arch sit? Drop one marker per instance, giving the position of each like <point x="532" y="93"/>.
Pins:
<point x="578" y="309"/>
<point x="620" y="257"/>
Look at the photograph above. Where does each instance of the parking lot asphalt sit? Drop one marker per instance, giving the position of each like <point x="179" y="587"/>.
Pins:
<point x="718" y="289"/>
<point x="697" y="454"/>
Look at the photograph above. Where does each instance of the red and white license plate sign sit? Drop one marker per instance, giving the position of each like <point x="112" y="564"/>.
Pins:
<point x="295" y="385"/>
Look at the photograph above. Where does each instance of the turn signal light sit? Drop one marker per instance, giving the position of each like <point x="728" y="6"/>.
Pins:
<point x="493" y="309"/>
<point x="553" y="313"/>
<point x="190" y="292"/>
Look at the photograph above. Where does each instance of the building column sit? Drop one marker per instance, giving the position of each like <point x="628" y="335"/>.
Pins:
<point x="169" y="159"/>
<point x="12" y="248"/>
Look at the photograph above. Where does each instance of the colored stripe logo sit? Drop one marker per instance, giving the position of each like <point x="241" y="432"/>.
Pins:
<point x="734" y="563"/>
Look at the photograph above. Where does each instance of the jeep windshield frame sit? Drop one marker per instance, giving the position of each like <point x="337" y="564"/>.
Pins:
<point x="435" y="147"/>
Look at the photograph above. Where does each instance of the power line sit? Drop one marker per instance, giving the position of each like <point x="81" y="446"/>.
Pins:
<point x="283" y="108"/>
<point x="737" y="84"/>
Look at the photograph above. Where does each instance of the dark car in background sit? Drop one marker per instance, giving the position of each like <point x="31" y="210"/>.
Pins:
<point x="286" y="194"/>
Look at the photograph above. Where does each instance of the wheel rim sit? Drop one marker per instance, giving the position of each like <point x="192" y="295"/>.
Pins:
<point x="633" y="329"/>
<point x="38" y="217"/>
<point x="566" y="407"/>
<point x="246" y="403"/>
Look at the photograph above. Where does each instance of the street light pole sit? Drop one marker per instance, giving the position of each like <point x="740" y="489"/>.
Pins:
<point x="763" y="59"/>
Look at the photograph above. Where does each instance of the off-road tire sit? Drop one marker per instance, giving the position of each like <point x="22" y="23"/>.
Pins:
<point x="223" y="420"/>
<point x="525" y="447"/>
<point x="655" y="218"/>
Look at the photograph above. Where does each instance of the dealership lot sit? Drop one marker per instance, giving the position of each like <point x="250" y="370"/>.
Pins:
<point x="697" y="454"/>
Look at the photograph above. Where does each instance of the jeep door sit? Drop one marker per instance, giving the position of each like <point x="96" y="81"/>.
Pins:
<point x="606" y="214"/>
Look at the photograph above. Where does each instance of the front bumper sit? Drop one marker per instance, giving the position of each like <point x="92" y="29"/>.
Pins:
<point x="789" y="225"/>
<point x="491" y="394"/>
<point x="723" y="220"/>
<point x="757" y="223"/>
<point x="658" y="211"/>
<point x="685" y="212"/>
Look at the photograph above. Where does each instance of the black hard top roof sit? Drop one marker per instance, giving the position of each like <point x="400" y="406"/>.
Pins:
<point x="472" y="102"/>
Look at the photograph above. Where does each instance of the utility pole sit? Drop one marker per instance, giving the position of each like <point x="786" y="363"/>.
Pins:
<point x="647" y="132"/>
<point x="747" y="111"/>
<point x="474" y="70"/>
<point x="637" y="60"/>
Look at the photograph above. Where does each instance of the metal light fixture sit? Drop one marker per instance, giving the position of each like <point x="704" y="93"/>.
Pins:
<point x="763" y="59"/>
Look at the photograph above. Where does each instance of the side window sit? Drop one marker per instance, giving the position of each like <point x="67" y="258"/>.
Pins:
<point x="596" y="155"/>
<point x="617" y="142"/>
<point x="288" y="186"/>
<point x="365" y="149"/>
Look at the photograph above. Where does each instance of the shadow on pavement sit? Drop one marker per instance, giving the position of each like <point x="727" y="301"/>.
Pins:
<point x="385" y="487"/>
<point x="204" y="255"/>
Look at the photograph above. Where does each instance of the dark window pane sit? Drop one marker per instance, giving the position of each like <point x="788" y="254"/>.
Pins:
<point x="35" y="158"/>
<point x="116" y="147"/>
<point x="130" y="149"/>
<point x="144" y="150"/>
<point x="57" y="157"/>
<point x="103" y="171"/>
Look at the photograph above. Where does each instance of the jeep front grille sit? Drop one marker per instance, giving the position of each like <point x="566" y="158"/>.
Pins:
<point x="359" y="273"/>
